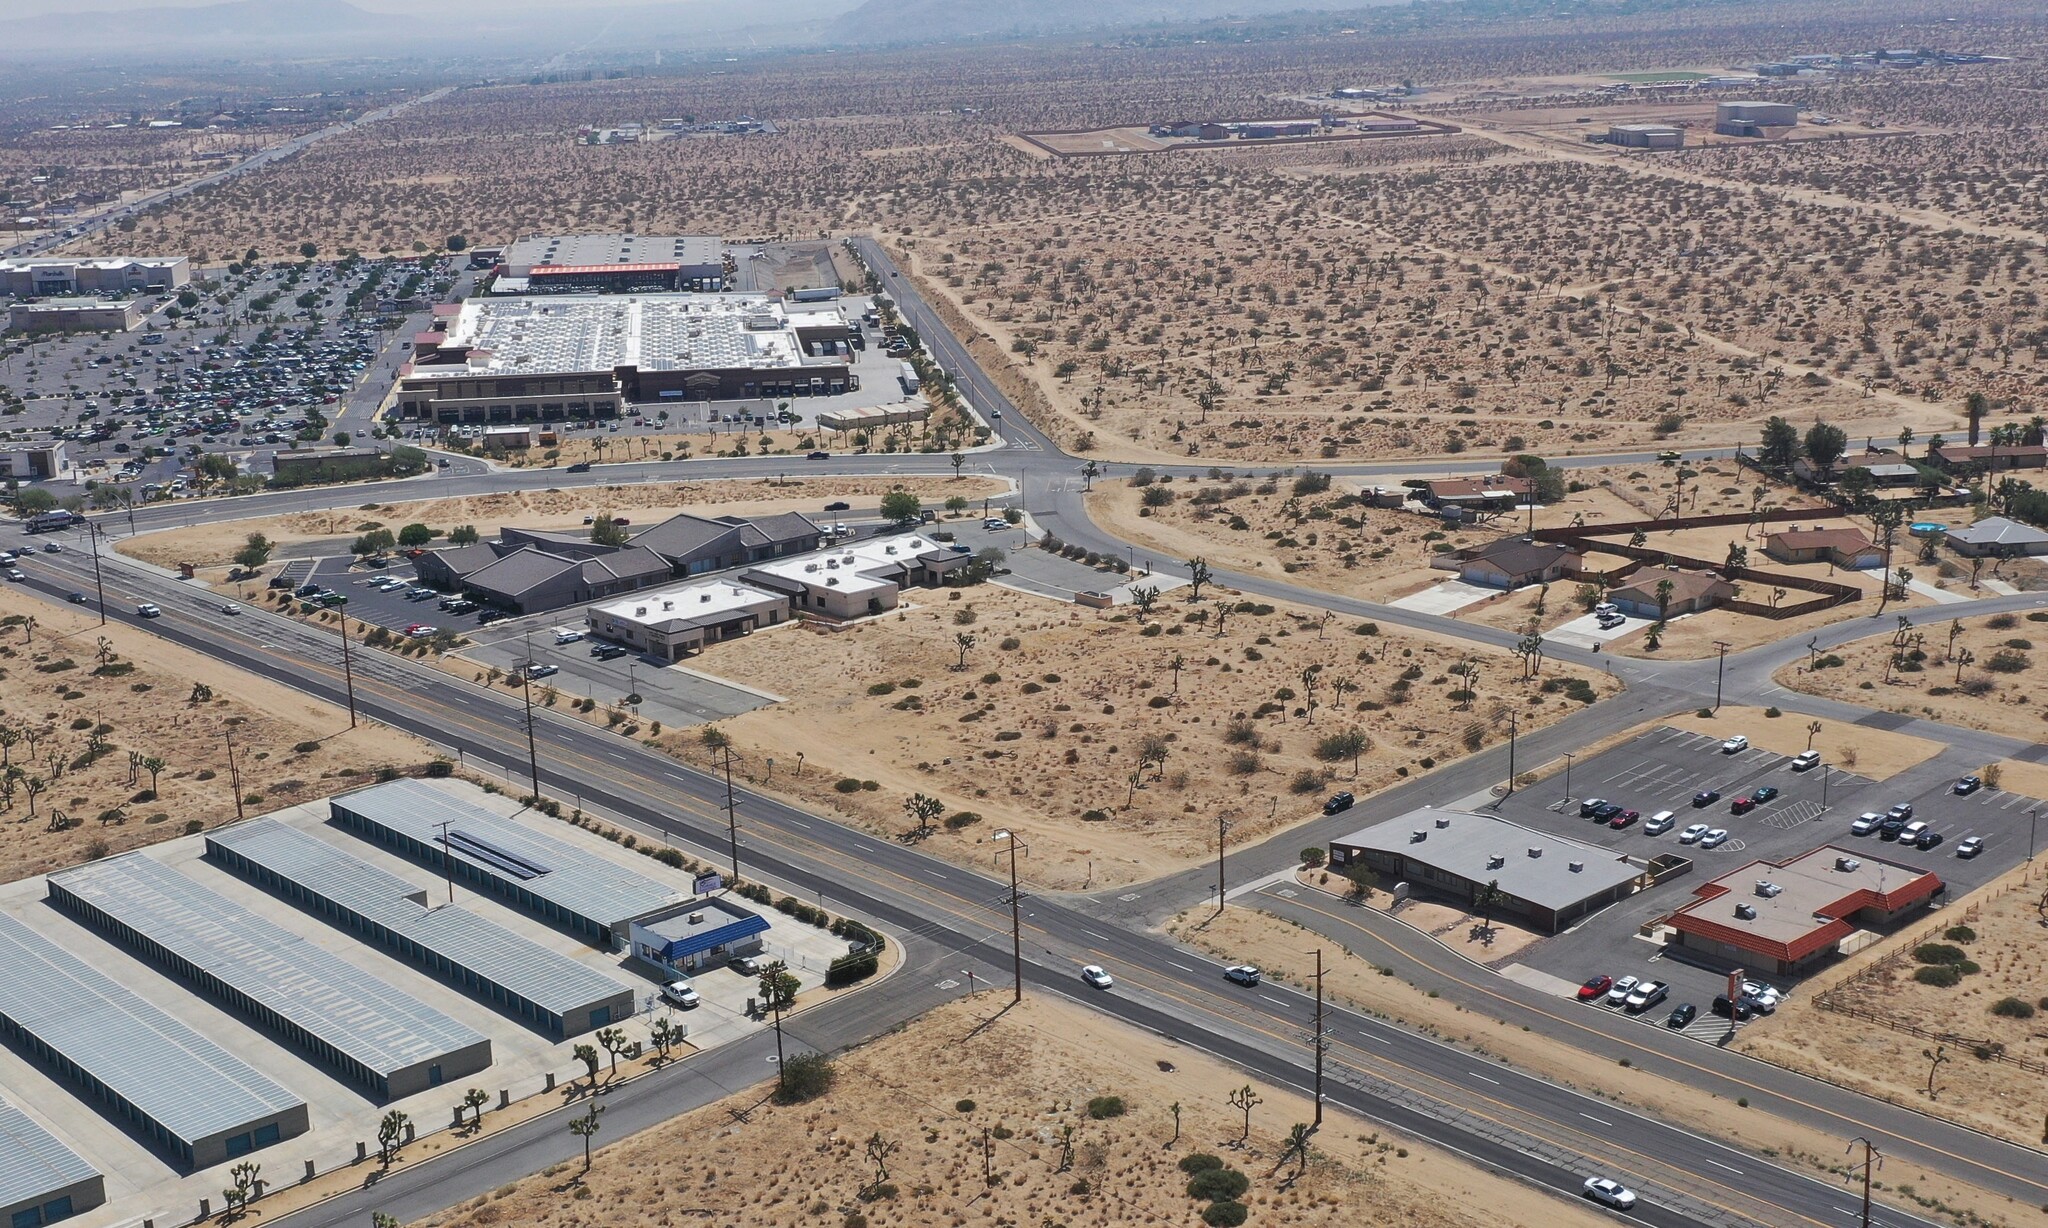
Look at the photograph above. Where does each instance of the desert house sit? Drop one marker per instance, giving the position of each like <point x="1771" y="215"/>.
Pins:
<point x="1998" y="538"/>
<point x="1844" y="547"/>
<point x="1512" y="562"/>
<point x="1691" y="592"/>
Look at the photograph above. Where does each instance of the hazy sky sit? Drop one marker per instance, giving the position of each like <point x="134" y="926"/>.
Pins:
<point x="36" y="8"/>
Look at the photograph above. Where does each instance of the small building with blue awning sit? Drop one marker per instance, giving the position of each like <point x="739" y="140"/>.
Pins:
<point x="702" y="933"/>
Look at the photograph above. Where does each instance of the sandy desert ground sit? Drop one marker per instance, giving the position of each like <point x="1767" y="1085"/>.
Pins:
<point x="1923" y="671"/>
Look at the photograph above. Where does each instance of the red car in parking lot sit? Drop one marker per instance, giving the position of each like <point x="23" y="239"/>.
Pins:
<point x="1596" y="989"/>
<point x="1623" y="819"/>
<point x="1742" y="805"/>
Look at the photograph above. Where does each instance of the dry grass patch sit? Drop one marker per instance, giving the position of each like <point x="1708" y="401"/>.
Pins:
<point x="1982" y="677"/>
<point x="1075" y="727"/>
<point x="923" y="1098"/>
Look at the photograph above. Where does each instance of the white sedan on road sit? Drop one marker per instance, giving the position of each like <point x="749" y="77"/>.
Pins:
<point x="1611" y="1192"/>
<point x="1097" y="976"/>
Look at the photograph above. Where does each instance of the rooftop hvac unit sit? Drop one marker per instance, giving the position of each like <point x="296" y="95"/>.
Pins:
<point x="1443" y="822"/>
<point x="1495" y="861"/>
<point x="639" y="611"/>
<point x="668" y="605"/>
<point x="1746" y="912"/>
<point x="1575" y="867"/>
<point x="1767" y="889"/>
<point x="696" y="918"/>
<point x="1848" y="865"/>
<point x="1418" y="835"/>
<point x="810" y="567"/>
<point x="704" y="597"/>
<point x="1535" y="852"/>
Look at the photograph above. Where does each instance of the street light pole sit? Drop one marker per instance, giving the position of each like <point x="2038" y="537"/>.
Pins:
<point x="1568" y="778"/>
<point x="1720" y="667"/>
<point x="1511" y="752"/>
<point x="2033" y="819"/>
<point x="732" y="821"/>
<point x="1222" y="830"/>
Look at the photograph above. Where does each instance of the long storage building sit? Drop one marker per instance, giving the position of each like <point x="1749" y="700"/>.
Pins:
<point x="388" y="1041"/>
<point x="150" y="1072"/>
<point x="545" y="989"/>
<point x="41" y="1180"/>
<point x="584" y="893"/>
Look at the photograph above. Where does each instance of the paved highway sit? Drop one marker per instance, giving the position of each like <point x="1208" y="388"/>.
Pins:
<point x="1548" y="1135"/>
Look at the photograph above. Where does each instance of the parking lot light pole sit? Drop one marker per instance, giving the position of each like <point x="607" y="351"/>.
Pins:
<point x="1568" y="778"/>
<point x="2033" y="818"/>
<point x="1826" y="770"/>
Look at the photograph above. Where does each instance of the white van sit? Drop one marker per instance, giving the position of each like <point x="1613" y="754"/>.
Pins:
<point x="1659" y="823"/>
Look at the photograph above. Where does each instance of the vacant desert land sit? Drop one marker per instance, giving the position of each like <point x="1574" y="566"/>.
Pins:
<point x="563" y="510"/>
<point x="2001" y="935"/>
<point x="1879" y="754"/>
<point x="1980" y="676"/>
<point x="1077" y="728"/>
<point x="65" y="677"/>
<point x="1028" y="1076"/>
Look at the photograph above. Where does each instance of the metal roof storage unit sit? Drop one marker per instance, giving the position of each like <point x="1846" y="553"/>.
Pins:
<point x="386" y="1040"/>
<point x="151" y="1073"/>
<point x="585" y="893"/>
<point x="41" y="1180"/>
<point x="518" y="976"/>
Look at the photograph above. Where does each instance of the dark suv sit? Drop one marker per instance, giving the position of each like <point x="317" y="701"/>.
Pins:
<point x="1338" y="802"/>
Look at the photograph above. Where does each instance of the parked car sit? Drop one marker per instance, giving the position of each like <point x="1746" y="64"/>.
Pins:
<point x="1969" y="846"/>
<point x="1927" y="840"/>
<point x="1096" y="976"/>
<point x="1904" y="810"/>
<point x="1646" y="995"/>
<point x="538" y="670"/>
<point x="1742" y="805"/>
<point x="1911" y="832"/>
<point x="607" y="652"/>
<point x="1706" y="797"/>
<point x="1890" y="828"/>
<point x="1243" y="974"/>
<point x="1715" y="838"/>
<point x="1735" y="1010"/>
<point x="1338" y="803"/>
<point x="1623" y="819"/>
<point x="1691" y="835"/>
<point x="1595" y="989"/>
<point x="1606" y="812"/>
<point x="682" y="993"/>
<point x="1763" y="793"/>
<point x="1659" y="823"/>
<point x="1618" y="992"/>
<point x="1735" y="745"/>
<point x="1866" y="823"/>
<point x="1761" y="997"/>
<point x="568" y="635"/>
<point x="747" y="965"/>
<point x="1969" y="784"/>
<point x="1588" y="806"/>
<point x="1805" y="760"/>
<point x="1682" y="1014"/>
<point x="1609" y="1191"/>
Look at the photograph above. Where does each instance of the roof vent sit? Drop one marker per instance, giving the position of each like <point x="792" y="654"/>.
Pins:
<point x="1575" y="867"/>
<point x="639" y="611"/>
<point x="668" y="605"/>
<point x="1848" y="865"/>
<point x="704" y="597"/>
<point x="696" y="918"/>
<point x="1535" y="852"/>
<point x="1767" y="889"/>
<point x="1443" y="821"/>
<point x="1746" y="912"/>
<point x="1418" y="835"/>
<point x="1495" y="861"/>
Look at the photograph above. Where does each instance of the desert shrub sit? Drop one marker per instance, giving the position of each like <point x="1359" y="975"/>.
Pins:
<point x="882" y="688"/>
<point x="1104" y="1107"/>
<point x="2006" y="661"/>
<point x="1226" y="1214"/>
<point x="1200" y="1162"/>
<point x="1939" y="953"/>
<point x="2001" y="622"/>
<point x="1941" y="976"/>
<point x="847" y="784"/>
<point x="1960" y="933"/>
<point x="1240" y="733"/>
<point x="805" y="1076"/>
<point x="2013" y="1008"/>
<point x="1307" y="780"/>
<point x="1242" y="763"/>
<point x="963" y="1106"/>
<point x="306" y="748"/>
<point x="1218" y="1184"/>
<point x="960" y="819"/>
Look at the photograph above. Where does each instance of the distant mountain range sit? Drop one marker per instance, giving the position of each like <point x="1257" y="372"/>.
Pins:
<point x="923" y="20"/>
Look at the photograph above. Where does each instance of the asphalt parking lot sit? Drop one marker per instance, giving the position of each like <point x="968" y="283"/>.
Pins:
<point x="1664" y="768"/>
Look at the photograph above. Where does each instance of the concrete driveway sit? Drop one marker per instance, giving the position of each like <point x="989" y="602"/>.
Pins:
<point x="1446" y="597"/>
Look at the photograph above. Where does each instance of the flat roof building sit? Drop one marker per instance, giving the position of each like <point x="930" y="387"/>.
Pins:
<point x="59" y="275"/>
<point x="545" y="989"/>
<point x="857" y="579"/>
<point x="1783" y="917"/>
<point x="73" y="315"/>
<point x="386" y="1040"/>
<point x="1646" y="136"/>
<point x="674" y="622"/>
<point x="150" y="1073"/>
<point x="584" y="893"/>
<point x="41" y="1180"/>
<point x="1547" y="880"/>
<point x="701" y="933"/>
<point x="551" y="357"/>
<point x="623" y="261"/>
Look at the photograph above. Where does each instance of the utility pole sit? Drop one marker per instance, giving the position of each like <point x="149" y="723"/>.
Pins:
<point x="1222" y="830"/>
<point x="2033" y="819"/>
<point x="1870" y="1152"/>
<point x="1322" y="1045"/>
<point x="1016" y="916"/>
<point x="526" y="694"/>
<point x="348" y="675"/>
<point x="1511" y="752"/>
<point x="447" y="862"/>
<point x="732" y="821"/>
<point x="99" y="582"/>
<point x="1720" y="667"/>
<point x="1567" y="778"/>
<point x="234" y="774"/>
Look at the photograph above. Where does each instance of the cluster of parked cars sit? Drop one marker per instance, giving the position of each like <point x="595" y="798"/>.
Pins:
<point x="1638" y="994"/>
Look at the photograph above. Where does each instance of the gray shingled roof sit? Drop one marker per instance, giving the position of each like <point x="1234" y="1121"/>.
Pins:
<point x="546" y="978"/>
<point x="631" y="563"/>
<point x="373" y="1024"/>
<point x="171" y="1074"/>
<point x="1997" y="531"/>
<point x="1469" y="845"/>
<point x="522" y="571"/>
<point x="685" y="536"/>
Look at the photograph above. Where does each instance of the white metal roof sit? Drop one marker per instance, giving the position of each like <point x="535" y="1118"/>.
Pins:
<point x="33" y="1164"/>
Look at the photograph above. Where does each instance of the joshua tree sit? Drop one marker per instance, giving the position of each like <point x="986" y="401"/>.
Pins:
<point x="1088" y="472"/>
<point x="878" y="1151"/>
<point x="1935" y="1057"/>
<point x="965" y="641"/>
<point x="1174" y="1109"/>
<point x="1812" y="731"/>
<point x="958" y="460"/>
<point x="391" y="1135"/>
<point x="1144" y="596"/>
<point x="587" y="1054"/>
<point x="474" y="1100"/>
<point x="1177" y="664"/>
<point x="614" y="1042"/>
<point x="153" y="764"/>
<point x="1244" y="1100"/>
<point x="923" y="810"/>
<point x="585" y="1128"/>
<point x="1198" y="575"/>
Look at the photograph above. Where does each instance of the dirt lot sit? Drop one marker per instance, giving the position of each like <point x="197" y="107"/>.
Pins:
<point x="647" y="503"/>
<point x="1554" y="1053"/>
<point x="56" y="688"/>
<point x="1876" y="753"/>
<point x="1994" y="690"/>
<point x="1045" y="727"/>
<point x="2006" y="923"/>
<point x="1028" y="1074"/>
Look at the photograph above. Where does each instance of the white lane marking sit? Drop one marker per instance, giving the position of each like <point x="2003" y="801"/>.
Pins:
<point x="1718" y="1164"/>
<point x="1596" y="1121"/>
<point x="1381" y="1039"/>
<point x="1275" y="1001"/>
<point x="801" y="823"/>
<point x="1482" y="1078"/>
<point x="1093" y="934"/>
<point x="1182" y="967"/>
